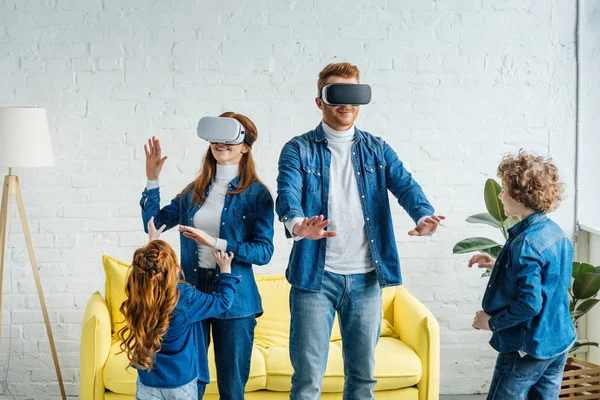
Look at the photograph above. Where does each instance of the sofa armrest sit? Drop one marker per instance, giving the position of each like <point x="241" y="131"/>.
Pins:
<point x="418" y="328"/>
<point x="95" y="346"/>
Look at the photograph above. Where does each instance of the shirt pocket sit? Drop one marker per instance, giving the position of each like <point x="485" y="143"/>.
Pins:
<point x="313" y="182"/>
<point x="375" y="174"/>
<point x="244" y="221"/>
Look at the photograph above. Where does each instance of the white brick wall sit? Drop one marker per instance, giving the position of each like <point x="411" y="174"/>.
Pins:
<point x="456" y="85"/>
<point x="589" y="165"/>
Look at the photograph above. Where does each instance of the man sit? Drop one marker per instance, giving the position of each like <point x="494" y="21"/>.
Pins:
<point x="332" y="198"/>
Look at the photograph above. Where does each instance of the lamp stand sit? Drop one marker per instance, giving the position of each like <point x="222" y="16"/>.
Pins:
<point x="13" y="187"/>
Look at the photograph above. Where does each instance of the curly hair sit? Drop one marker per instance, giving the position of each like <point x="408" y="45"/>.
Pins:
<point x="152" y="295"/>
<point x="532" y="181"/>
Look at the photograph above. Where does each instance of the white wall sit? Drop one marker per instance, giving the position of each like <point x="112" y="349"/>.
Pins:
<point x="589" y="164"/>
<point x="457" y="84"/>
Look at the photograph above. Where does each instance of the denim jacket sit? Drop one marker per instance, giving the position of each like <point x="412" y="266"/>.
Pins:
<point x="246" y="224"/>
<point x="527" y="295"/>
<point x="180" y="359"/>
<point x="303" y="187"/>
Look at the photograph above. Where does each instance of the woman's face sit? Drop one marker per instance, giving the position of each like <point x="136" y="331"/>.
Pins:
<point x="228" y="154"/>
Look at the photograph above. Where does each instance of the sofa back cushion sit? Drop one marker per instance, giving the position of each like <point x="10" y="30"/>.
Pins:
<point x="273" y="327"/>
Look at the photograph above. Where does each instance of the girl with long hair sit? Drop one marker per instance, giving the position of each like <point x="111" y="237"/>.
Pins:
<point x="225" y="208"/>
<point x="163" y="321"/>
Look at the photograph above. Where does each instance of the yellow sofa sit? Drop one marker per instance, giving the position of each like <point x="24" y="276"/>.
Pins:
<point x="407" y="356"/>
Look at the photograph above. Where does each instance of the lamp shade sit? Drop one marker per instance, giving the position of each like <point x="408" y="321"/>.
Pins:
<point x="24" y="137"/>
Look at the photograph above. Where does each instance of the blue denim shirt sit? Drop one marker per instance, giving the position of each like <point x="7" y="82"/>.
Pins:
<point x="303" y="187"/>
<point x="527" y="295"/>
<point x="246" y="224"/>
<point x="180" y="358"/>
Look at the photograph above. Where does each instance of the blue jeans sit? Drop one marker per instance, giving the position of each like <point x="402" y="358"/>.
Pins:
<point x="520" y="378"/>
<point x="233" y="340"/>
<point x="357" y="301"/>
<point x="185" y="392"/>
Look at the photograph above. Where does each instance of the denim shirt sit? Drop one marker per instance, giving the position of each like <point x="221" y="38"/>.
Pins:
<point x="180" y="358"/>
<point x="303" y="187"/>
<point x="246" y="224"/>
<point x="527" y="295"/>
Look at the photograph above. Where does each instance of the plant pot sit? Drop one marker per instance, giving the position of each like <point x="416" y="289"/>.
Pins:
<point x="581" y="381"/>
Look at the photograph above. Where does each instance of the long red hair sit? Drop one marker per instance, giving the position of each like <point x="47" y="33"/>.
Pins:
<point x="152" y="295"/>
<point x="247" y="169"/>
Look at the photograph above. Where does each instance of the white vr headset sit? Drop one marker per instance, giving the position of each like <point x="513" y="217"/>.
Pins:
<point x="223" y="130"/>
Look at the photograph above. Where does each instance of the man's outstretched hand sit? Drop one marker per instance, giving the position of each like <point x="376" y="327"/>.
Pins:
<point x="427" y="226"/>
<point x="313" y="228"/>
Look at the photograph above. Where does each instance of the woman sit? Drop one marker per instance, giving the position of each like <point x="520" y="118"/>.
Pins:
<point x="227" y="208"/>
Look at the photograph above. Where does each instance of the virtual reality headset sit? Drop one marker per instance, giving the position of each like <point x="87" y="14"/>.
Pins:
<point x="223" y="130"/>
<point x="337" y="94"/>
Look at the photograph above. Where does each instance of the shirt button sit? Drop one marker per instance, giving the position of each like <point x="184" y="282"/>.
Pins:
<point x="372" y="241"/>
<point x="368" y="219"/>
<point x="244" y="217"/>
<point x="353" y="153"/>
<point x="225" y="208"/>
<point x="194" y="269"/>
<point x="326" y="173"/>
<point x="489" y="285"/>
<point x="358" y="173"/>
<point x="223" y="223"/>
<point x="376" y="261"/>
<point x="363" y="196"/>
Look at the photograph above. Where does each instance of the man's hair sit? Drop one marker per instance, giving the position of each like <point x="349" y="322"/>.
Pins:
<point x="343" y="69"/>
<point x="531" y="180"/>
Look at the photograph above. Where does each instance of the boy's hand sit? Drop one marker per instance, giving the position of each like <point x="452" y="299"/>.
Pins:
<point x="428" y="226"/>
<point x="198" y="235"/>
<point x="480" y="322"/>
<point x="483" y="261"/>
<point x="223" y="260"/>
<point x="153" y="233"/>
<point x="313" y="228"/>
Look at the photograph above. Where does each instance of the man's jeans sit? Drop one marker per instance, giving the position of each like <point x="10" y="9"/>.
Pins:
<point x="188" y="391"/>
<point x="520" y="378"/>
<point x="357" y="300"/>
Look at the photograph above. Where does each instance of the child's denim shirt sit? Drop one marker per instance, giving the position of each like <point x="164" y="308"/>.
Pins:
<point x="527" y="295"/>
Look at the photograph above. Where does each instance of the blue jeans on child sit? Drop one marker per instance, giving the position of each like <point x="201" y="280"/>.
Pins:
<point x="520" y="378"/>
<point x="357" y="301"/>
<point x="188" y="391"/>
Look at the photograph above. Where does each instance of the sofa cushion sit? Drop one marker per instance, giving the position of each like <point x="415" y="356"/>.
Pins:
<point x="120" y="379"/>
<point x="396" y="366"/>
<point x="116" y="273"/>
<point x="118" y="376"/>
<point x="273" y="327"/>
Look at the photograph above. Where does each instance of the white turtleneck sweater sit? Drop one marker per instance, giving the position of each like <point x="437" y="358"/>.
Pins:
<point x="208" y="217"/>
<point x="347" y="253"/>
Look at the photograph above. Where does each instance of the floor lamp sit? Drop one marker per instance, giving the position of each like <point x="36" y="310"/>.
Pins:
<point x="24" y="142"/>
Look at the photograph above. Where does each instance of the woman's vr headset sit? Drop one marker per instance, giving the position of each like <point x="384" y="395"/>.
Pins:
<point x="337" y="94"/>
<point x="223" y="130"/>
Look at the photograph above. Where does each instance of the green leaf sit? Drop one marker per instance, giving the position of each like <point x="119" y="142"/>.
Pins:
<point x="510" y="222"/>
<point x="486" y="273"/>
<point x="474" y="244"/>
<point x="492" y="202"/>
<point x="578" y="345"/>
<point x="586" y="306"/>
<point x="493" y="251"/>
<point x="484" y="218"/>
<point x="576" y="314"/>
<point x="580" y="268"/>
<point x="586" y="285"/>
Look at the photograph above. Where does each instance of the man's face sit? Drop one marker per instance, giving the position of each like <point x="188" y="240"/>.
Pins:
<point x="338" y="117"/>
